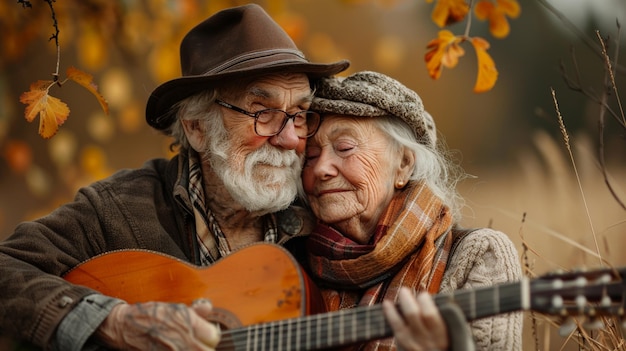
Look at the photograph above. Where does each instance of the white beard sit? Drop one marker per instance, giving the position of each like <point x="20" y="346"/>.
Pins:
<point x="270" y="178"/>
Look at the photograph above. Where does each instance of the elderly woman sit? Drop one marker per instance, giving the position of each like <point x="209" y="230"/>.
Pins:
<point x="388" y="212"/>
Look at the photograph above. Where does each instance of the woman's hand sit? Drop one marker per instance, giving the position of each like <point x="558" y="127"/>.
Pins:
<point x="416" y="323"/>
<point x="160" y="326"/>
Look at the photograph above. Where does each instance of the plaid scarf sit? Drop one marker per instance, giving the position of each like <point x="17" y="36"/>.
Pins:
<point x="409" y="248"/>
<point x="212" y="242"/>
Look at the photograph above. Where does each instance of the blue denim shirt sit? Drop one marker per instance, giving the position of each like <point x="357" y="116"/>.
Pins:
<point x="81" y="322"/>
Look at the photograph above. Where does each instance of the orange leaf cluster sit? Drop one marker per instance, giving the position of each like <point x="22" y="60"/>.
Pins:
<point x="445" y="50"/>
<point x="447" y="12"/>
<point x="86" y="80"/>
<point x="52" y="111"/>
<point x="496" y="14"/>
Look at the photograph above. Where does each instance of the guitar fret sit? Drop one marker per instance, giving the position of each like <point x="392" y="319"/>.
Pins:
<point x="383" y="326"/>
<point x="248" y="337"/>
<point x="252" y="342"/>
<point x="329" y="329"/>
<point x="270" y="337"/>
<point x="317" y="333"/>
<point x="308" y="332"/>
<point x="354" y="324"/>
<point x="298" y="326"/>
<point x="341" y="316"/>
<point x="288" y="340"/>
<point x="263" y="337"/>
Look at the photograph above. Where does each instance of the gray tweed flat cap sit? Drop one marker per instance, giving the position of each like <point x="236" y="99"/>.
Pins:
<point x="373" y="94"/>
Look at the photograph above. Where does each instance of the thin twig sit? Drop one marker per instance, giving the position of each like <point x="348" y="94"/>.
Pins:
<point x="55" y="36"/>
<point x="468" y="25"/>
<point x="576" y="85"/>
<point x="580" y="34"/>
<point x="601" y="158"/>
<point x="607" y="62"/>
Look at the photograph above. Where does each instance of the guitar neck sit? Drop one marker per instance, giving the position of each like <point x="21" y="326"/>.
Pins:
<point x="364" y="323"/>
<point x="490" y="300"/>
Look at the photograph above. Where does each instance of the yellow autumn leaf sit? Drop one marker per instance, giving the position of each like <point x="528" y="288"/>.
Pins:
<point x="496" y="13"/>
<point x="448" y="12"/>
<point x="487" y="72"/>
<point x="52" y="111"/>
<point x="443" y="52"/>
<point x="86" y="80"/>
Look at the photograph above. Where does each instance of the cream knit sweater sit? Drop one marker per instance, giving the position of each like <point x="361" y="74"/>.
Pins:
<point x="487" y="257"/>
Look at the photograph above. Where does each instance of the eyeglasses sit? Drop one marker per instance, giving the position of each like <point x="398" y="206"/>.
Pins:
<point x="271" y="121"/>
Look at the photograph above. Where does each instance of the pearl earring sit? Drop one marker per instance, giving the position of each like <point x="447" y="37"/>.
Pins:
<point x="399" y="184"/>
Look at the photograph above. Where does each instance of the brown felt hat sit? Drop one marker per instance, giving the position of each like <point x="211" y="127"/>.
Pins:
<point x="373" y="94"/>
<point x="236" y="42"/>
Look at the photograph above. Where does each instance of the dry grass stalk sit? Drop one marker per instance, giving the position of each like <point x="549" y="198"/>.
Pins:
<point x="580" y="188"/>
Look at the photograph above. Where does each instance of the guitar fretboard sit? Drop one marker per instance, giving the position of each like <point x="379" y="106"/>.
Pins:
<point x="359" y="324"/>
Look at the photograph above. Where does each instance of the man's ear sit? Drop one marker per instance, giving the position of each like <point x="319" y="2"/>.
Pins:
<point x="194" y="133"/>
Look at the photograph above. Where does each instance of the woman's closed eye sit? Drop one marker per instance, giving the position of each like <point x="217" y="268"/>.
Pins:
<point x="344" y="147"/>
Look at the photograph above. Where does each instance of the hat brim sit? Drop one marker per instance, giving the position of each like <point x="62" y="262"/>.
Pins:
<point x="158" y="109"/>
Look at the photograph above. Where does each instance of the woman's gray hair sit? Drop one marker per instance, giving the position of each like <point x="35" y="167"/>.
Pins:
<point x="434" y="165"/>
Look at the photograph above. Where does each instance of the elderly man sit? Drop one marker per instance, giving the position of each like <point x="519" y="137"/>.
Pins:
<point x="239" y="115"/>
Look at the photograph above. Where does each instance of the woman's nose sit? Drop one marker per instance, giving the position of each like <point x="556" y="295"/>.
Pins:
<point x="324" y="167"/>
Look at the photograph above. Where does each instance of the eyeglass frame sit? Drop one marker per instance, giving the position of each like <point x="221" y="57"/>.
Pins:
<point x="256" y="114"/>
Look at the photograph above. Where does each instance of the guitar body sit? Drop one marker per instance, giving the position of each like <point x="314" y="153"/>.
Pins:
<point x="257" y="284"/>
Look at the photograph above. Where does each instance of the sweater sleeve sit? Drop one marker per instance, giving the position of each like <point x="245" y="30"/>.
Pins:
<point x="487" y="257"/>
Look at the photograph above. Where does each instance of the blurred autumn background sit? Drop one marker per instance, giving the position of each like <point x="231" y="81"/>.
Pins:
<point x="561" y="202"/>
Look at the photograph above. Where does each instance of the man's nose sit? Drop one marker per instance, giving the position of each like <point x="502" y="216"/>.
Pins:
<point x="287" y="138"/>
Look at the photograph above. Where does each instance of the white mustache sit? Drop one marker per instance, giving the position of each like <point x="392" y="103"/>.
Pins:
<point x="272" y="156"/>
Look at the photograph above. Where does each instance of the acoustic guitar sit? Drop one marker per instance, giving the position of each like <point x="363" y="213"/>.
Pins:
<point x="265" y="301"/>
